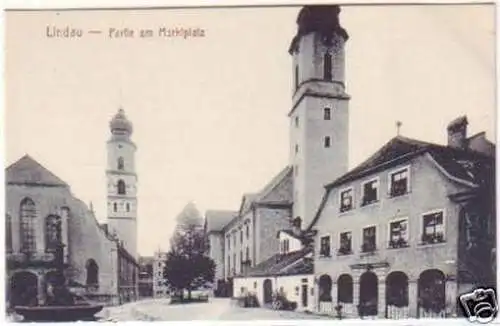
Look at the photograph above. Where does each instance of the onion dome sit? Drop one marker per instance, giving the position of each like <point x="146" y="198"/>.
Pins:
<point x="120" y="125"/>
<point x="322" y="19"/>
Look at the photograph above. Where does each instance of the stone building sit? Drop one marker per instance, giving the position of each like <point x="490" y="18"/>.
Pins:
<point x="146" y="276"/>
<point x="289" y="272"/>
<point x="410" y="229"/>
<point x="41" y="210"/>
<point x="243" y="239"/>
<point x="100" y="259"/>
<point x="318" y="147"/>
<point x="160" y="288"/>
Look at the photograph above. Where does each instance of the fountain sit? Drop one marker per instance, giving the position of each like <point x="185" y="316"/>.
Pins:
<point x="61" y="304"/>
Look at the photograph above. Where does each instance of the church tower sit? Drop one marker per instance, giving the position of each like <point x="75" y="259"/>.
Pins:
<point x="122" y="182"/>
<point x="319" y="116"/>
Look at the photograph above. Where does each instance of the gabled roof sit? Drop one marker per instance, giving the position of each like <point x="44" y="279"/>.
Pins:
<point x="27" y="171"/>
<point x="464" y="165"/>
<point x="217" y="219"/>
<point x="292" y="263"/>
<point x="278" y="191"/>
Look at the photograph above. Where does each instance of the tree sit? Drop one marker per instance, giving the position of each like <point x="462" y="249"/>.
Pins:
<point x="187" y="267"/>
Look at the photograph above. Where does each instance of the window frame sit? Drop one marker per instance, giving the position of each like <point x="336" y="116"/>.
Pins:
<point x="422" y="229"/>
<point x="389" y="238"/>
<point x="327" y="113"/>
<point x="377" y="180"/>
<point x="351" y="188"/>
<point x="363" y="237"/>
<point x="327" y="142"/>
<point x="351" y="250"/>
<point x="329" y="245"/>
<point x="408" y="180"/>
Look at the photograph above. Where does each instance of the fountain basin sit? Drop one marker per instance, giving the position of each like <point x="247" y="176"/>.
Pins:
<point x="58" y="313"/>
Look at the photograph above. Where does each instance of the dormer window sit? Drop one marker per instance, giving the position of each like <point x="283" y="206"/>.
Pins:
<point x="370" y="192"/>
<point x="327" y="67"/>
<point x="285" y="246"/>
<point x="399" y="183"/>
<point x="346" y="200"/>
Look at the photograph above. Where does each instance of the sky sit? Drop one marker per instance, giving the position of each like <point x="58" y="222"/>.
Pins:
<point x="210" y="113"/>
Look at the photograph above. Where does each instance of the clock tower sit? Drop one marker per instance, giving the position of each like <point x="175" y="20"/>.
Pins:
<point x="319" y="116"/>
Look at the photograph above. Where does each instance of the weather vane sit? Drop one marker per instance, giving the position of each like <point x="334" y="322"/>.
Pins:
<point x="398" y="127"/>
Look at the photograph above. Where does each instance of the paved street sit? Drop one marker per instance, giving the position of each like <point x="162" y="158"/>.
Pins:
<point x="216" y="309"/>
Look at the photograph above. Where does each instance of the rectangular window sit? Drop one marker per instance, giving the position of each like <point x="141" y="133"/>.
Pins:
<point x="247" y="231"/>
<point x="228" y="265"/>
<point x="241" y="258"/>
<point x="247" y="254"/>
<point x="228" y="243"/>
<point x="234" y="239"/>
<point x="345" y="243"/>
<point x="234" y="263"/>
<point x="369" y="239"/>
<point x="346" y="200"/>
<point x="324" y="250"/>
<point x="241" y="236"/>
<point x="399" y="184"/>
<point x="287" y="245"/>
<point x="370" y="192"/>
<point x="297" y="122"/>
<point x="398" y="234"/>
<point x="433" y="228"/>
<point x="296" y="148"/>
<point x="327" y="141"/>
<point x="327" y="114"/>
<point x="327" y="66"/>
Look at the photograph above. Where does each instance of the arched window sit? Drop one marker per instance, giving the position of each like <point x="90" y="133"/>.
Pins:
<point x="121" y="163"/>
<point x="325" y="288"/>
<point x="92" y="274"/>
<point x="344" y="288"/>
<point x="28" y="219"/>
<point x="8" y="233"/>
<point x="52" y="232"/>
<point x="121" y="187"/>
<point x="327" y="66"/>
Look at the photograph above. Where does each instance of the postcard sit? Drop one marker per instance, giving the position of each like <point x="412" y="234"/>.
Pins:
<point x="314" y="162"/>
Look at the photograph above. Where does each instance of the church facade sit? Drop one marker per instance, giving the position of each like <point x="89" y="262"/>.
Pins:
<point x="41" y="211"/>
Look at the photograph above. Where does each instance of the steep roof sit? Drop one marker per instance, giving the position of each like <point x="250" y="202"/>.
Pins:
<point x="217" y="219"/>
<point x="27" y="171"/>
<point x="292" y="263"/>
<point x="464" y="165"/>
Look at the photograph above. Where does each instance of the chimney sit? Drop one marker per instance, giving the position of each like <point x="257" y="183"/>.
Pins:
<point x="457" y="133"/>
<point x="297" y="226"/>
